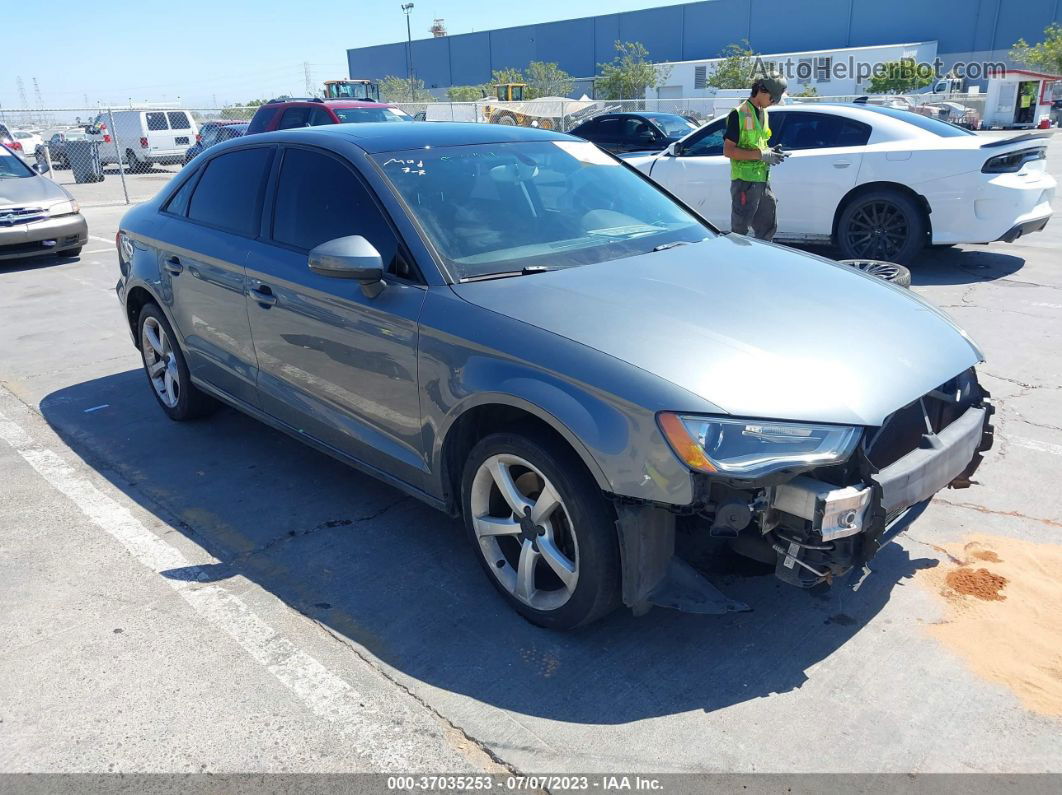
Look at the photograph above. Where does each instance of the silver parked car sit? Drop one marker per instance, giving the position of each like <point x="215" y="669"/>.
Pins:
<point x="36" y="216"/>
<point x="515" y="327"/>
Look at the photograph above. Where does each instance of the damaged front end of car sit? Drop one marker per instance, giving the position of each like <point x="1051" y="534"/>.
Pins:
<point x="816" y="501"/>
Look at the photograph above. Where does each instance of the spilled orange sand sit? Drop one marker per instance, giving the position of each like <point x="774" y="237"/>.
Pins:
<point x="1003" y="603"/>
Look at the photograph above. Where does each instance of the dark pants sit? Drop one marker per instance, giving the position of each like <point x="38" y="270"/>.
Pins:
<point x="752" y="204"/>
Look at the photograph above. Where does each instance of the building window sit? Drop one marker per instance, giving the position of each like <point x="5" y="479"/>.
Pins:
<point x="700" y="77"/>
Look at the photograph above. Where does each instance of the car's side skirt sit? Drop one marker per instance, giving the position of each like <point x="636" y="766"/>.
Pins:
<point x="320" y="446"/>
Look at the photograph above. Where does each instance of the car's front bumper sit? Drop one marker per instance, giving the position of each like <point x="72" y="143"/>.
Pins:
<point x="49" y="236"/>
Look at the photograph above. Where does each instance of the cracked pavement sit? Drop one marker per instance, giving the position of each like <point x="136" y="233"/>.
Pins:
<point x="111" y="666"/>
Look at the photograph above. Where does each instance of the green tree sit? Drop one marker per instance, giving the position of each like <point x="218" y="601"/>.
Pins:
<point x="397" y="89"/>
<point x="897" y="77"/>
<point x="809" y="91"/>
<point x="547" y="80"/>
<point x="1045" y="56"/>
<point x="629" y="74"/>
<point x="243" y="111"/>
<point x="465" y="93"/>
<point x="737" y="67"/>
<point x="504" y="76"/>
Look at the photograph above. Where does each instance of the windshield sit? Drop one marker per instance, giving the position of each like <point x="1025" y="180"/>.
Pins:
<point x="12" y="167"/>
<point x="935" y="126"/>
<point x="674" y="126"/>
<point x="505" y="207"/>
<point x="347" y="115"/>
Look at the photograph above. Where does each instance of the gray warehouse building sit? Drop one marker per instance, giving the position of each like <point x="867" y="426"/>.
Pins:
<point x="962" y="30"/>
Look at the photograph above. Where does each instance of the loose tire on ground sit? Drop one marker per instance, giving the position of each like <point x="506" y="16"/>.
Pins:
<point x="158" y="344"/>
<point x="882" y="225"/>
<point x="580" y="526"/>
<point x="889" y="271"/>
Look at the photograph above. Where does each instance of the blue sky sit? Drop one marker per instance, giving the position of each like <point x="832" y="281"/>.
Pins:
<point x="202" y="52"/>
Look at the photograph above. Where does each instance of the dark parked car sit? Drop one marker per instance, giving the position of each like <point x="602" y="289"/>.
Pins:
<point x="514" y="327"/>
<point x="57" y="146"/>
<point x="290" y="114"/>
<point x="214" y="132"/>
<point x="635" y="132"/>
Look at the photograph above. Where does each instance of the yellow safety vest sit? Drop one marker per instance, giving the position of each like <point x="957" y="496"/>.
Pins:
<point x="752" y="135"/>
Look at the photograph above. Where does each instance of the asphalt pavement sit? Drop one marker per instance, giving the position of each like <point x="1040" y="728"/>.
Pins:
<point x="214" y="596"/>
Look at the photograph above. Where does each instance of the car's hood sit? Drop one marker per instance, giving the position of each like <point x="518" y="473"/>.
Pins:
<point x="30" y="191"/>
<point x="758" y="330"/>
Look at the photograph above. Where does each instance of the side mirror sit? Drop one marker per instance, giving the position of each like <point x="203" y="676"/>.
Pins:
<point x="40" y="167"/>
<point x="674" y="149"/>
<point x="351" y="257"/>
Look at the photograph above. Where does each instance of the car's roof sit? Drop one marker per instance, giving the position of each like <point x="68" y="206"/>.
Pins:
<point x="329" y="103"/>
<point x="376" y="137"/>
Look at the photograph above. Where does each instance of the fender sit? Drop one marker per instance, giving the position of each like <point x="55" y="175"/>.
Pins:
<point x="558" y="408"/>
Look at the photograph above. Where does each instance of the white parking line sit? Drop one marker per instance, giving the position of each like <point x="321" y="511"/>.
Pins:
<point x="1033" y="444"/>
<point x="383" y="742"/>
<point x="102" y="239"/>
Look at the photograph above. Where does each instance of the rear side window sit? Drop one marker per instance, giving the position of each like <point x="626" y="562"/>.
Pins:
<point x="156" y="121"/>
<point x="178" y="203"/>
<point x="320" y="199"/>
<point x="229" y="193"/>
<point x="294" y="117"/>
<point x="820" y="131"/>
<point x="178" y="120"/>
<point x="608" y="129"/>
<point x="320" y="116"/>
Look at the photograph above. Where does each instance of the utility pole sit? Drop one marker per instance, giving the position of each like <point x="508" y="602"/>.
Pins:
<point x="22" y="99"/>
<point x="40" y="103"/>
<point x="406" y="9"/>
<point x="308" y="77"/>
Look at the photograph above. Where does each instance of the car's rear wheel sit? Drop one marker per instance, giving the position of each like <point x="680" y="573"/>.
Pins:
<point x="542" y="529"/>
<point x="134" y="165"/>
<point x="881" y="225"/>
<point x="167" y="370"/>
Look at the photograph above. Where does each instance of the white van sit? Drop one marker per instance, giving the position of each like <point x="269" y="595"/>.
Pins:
<point x="144" y="137"/>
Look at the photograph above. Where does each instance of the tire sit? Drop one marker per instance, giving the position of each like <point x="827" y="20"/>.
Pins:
<point x="580" y="530"/>
<point x="504" y="118"/>
<point x="172" y="386"/>
<point x="133" y="165"/>
<point x="888" y="271"/>
<point x="881" y="225"/>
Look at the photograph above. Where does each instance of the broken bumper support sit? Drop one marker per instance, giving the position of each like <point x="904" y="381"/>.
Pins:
<point x="654" y="575"/>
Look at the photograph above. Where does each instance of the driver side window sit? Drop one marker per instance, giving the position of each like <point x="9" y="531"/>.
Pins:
<point x="709" y="142"/>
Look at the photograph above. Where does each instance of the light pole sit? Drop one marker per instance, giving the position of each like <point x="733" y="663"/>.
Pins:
<point x="406" y="9"/>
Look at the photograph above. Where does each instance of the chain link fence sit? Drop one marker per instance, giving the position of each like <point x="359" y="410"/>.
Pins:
<point x="106" y="156"/>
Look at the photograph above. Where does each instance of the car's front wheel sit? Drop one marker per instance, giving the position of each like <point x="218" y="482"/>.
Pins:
<point x="167" y="370"/>
<point x="881" y="225"/>
<point x="542" y="529"/>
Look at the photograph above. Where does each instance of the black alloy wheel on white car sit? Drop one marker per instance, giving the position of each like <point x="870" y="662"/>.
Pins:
<point x="541" y="529"/>
<point x="881" y="225"/>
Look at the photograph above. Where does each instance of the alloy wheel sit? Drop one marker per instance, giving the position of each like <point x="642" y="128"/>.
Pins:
<point x="524" y="532"/>
<point x="877" y="230"/>
<point x="160" y="362"/>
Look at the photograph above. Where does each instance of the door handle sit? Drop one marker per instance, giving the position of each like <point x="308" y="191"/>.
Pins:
<point x="263" y="295"/>
<point x="842" y="163"/>
<point x="173" y="265"/>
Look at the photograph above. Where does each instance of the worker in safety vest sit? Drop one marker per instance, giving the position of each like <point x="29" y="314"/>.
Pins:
<point x="745" y="143"/>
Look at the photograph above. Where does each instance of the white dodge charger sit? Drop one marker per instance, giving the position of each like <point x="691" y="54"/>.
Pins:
<point x="878" y="182"/>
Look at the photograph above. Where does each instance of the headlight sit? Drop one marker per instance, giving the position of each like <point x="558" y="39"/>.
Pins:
<point x="754" y="448"/>
<point x="64" y="208"/>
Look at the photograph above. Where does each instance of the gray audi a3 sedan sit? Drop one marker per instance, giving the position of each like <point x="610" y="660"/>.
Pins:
<point x="518" y="329"/>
